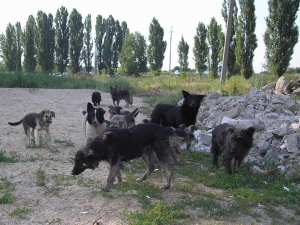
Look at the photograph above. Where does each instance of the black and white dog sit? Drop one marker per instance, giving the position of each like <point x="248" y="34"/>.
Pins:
<point x="93" y="121"/>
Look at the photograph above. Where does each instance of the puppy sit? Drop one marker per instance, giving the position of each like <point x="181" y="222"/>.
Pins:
<point x="170" y="115"/>
<point x="149" y="141"/>
<point x="96" y="98"/>
<point x="118" y="94"/>
<point x="37" y="121"/>
<point x="235" y="143"/>
<point x="93" y="121"/>
<point x="123" y="121"/>
<point x="117" y="110"/>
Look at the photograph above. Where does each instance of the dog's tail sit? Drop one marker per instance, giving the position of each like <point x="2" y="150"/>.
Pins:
<point x="16" y="123"/>
<point x="130" y="98"/>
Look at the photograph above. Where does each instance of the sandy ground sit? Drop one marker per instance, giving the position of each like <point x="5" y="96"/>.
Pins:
<point x="75" y="204"/>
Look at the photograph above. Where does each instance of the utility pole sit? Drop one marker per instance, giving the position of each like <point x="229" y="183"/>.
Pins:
<point x="227" y="39"/>
<point x="170" y="50"/>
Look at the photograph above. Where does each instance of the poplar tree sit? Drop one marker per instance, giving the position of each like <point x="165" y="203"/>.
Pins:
<point x="183" y="51"/>
<point x="157" y="46"/>
<point x="281" y="34"/>
<point x="76" y="40"/>
<point x="45" y="41"/>
<point x="28" y="37"/>
<point x="117" y="45"/>
<point x="62" y="34"/>
<point x="19" y="45"/>
<point x="201" y="49"/>
<point x="110" y="27"/>
<point x="246" y="41"/>
<point x="215" y="46"/>
<point x="9" y="48"/>
<point x="87" y="54"/>
<point x="100" y="32"/>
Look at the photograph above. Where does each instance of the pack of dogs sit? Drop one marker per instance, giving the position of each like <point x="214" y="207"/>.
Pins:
<point x="157" y="141"/>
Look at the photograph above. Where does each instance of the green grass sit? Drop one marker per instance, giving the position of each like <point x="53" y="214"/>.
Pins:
<point x="19" y="212"/>
<point x="13" y="158"/>
<point x="6" y="187"/>
<point x="41" y="177"/>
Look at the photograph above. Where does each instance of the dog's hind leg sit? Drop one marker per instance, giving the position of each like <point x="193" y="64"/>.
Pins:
<point x="113" y="172"/>
<point x="150" y="167"/>
<point x="165" y="165"/>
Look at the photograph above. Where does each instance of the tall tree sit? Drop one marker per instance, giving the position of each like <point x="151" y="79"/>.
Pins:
<point x="87" y="53"/>
<point x="201" y="49"/>
<point x="9" y="48"/>
<point x="76" y="40"/>
<point x="19" y="50"/>
<point x="117" y="45"/>
<point x="215" y="45"/>
<point x="183" y="51"/>
<point x="29" y="45"/>
<point x="134" y="54"/>
<point x="62" y="34"/>
<point x="125" y="29"/>
<point x="231" y="62"/>
<point x="281" y="34"/>
<point x="246" y="40"/>
<point x="110" y="27"/>
<point x="45" y="41"/>
<point x="100" y="32"/>
<point x="157" y="47"/>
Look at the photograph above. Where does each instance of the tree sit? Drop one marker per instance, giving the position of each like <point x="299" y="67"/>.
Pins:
<point x="76" y="40"/>
<point x="45" y="41"/>
<point x="100" y="32"/>
<point x="19" y="50"/>
<point x="87" y="54"/>
<point x="117" y="45"/>
<point x="231" y="62"/>
<point x="29" y="45"/>
<point x="157" y="47"/>
<point x="134" y="54"/>
<point x="110" y="27"/>
<point x="183" y="51"/>
<point x="201" y="49"/>
<point x="281" y="34"/>
<point x="62" y="34"/>
<point x="215" y="45"/>
<point x="246" y="40"/>
<point x="9" y="48"/>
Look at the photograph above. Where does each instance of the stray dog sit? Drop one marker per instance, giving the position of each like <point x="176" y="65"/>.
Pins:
<point x="93" y="122"/>
<point x="235" y="143"/>
<point x="96" y="98"/>
<point x="117" y="111"/>
<point x="123" y="121"/>
<point x="37" y="121"/>
<point x="118" y="94"/>
<point x="149" y="141"/>
<point x="170" y="115"/>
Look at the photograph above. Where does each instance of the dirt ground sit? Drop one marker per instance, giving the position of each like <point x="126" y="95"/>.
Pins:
<point x="74" y="204"/>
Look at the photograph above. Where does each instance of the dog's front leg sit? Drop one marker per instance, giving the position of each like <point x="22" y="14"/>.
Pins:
<point x="36" y="137"/>
<point x="114" y="170"/>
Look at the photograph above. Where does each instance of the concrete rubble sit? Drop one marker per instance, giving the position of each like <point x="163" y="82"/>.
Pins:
<point x="275" y="116"/>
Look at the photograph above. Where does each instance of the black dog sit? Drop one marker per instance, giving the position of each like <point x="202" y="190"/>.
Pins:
<point x="170" y="115"/>
<point x="149" y="141"/>
<point x="96" y="98"/>
<point x="235" y="143"/>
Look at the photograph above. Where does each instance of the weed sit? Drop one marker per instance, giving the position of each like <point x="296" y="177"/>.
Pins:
<point x="9" y="159"/>
<point x="5" y="188"/>
<point x="19" y="212"/>
<point x="41" y="177"/>
<point x="68" y="143"/>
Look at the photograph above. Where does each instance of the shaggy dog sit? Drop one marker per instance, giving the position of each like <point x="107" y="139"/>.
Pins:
<point x="170" y="115"/>
<point x="96" y="98"/>
<point x="149" y="141"/>
<point x="93" y="121"/>
<point x="123" y="121"/>
<point x="118" y="94"/>
<point x="37" y="121"/>
<point x="235" y="143"/>
<point x="117" y="111"/>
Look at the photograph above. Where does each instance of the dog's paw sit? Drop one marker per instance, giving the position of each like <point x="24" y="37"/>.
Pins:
<point x="166" y="186"/>
<point x="106" y="189"/>
<point x="141" y="179"/>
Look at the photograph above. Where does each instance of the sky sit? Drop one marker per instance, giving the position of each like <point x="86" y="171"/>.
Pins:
<point x="182" y="16"/>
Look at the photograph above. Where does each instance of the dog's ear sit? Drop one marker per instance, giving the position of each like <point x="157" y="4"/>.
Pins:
<point x="185" y="94"/>
<point x="111" y="87"/>
<point x="250" y="131"/>
<point x="119" y="108"/>
<point x="53" y="113"/>
<point x="42" y="113"/>
<point x="90" y="154"/>
<point x="229" y="129"/>
<point x="102" y="111"/>
<point x="192" y="128"/>
<point x="181" y="127"/>
<point x="110" y="106"/>
<point x="116" y="88"/>
<point x="90" y="106"/>
<point x="200" y="97"/>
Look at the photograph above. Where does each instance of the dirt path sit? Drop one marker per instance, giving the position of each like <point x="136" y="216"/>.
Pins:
<point x="74" y="204"/>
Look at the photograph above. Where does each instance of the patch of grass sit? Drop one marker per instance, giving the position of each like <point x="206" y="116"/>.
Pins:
<point x="68" y="143"/>
<point x="63" y="180"/>
<point x="6" y="188"/>
<point x="157" y="213"/>
<point x="19" y="212"/>
<point x="41" y="177"/>
<point x="58" y="220"/>
<point x="13" y="158"/>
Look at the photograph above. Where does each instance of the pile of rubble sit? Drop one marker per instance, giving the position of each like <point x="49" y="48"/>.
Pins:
<point x="275" y="116"/>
